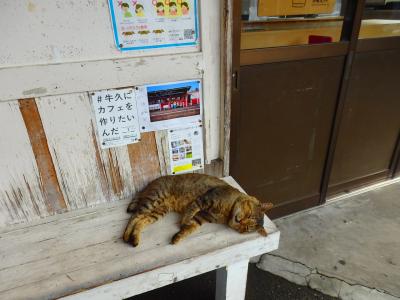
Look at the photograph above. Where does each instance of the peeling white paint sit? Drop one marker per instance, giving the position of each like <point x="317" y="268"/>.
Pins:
<point x="21" y="197"/>
<point x="67" y="121"/>
<point x="62" y="50"/>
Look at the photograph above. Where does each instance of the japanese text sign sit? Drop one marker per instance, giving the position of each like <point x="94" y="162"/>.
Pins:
<point x="116" y="117"/>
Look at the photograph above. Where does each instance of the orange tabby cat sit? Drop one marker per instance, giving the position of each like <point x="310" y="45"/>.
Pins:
<point x="199" y="199"/>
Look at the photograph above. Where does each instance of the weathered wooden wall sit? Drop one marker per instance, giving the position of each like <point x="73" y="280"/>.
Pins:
<point x="50" y="161"/>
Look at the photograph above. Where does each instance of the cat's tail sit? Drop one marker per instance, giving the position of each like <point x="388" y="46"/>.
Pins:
<point x="133" y="205"/>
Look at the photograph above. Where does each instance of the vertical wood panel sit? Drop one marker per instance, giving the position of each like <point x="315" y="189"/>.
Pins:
<point x="163" y="152"/>
<point x="53" y="197"/>
<point x="211" y="48"/>
<point x="21" y="191"/>
<point x="88" y="175"/>
<point x="144" y="160"/>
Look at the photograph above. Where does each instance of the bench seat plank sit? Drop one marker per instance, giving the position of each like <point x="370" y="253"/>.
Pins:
<point x="83" y="250"/>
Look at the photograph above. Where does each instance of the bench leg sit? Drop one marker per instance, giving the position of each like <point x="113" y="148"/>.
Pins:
<point x="231" y="281"/>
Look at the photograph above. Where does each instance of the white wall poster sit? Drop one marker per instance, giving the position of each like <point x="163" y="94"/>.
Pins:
<point x="146" y="24"/>
<point x="171" y="105"/>
<point x="116" y="117"/>
<point x="186" y="149"/>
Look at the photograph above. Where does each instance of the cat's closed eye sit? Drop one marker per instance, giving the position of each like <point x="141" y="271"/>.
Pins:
<point x="241" y="218"/>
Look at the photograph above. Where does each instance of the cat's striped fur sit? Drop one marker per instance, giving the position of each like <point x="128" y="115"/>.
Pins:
<point x="198" y="198"/>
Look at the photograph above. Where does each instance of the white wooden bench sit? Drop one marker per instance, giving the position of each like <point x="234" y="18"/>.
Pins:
<point x="81" y="255"/>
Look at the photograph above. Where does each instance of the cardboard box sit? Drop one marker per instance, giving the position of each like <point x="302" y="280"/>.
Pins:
<point x="273" y="8"/>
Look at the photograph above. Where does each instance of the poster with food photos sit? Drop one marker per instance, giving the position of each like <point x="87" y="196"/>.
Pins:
<point x="116" y="117"/>
<point x="169" y="105"/>
<point x="186" y="149"/>
<point x="149" y="24"/>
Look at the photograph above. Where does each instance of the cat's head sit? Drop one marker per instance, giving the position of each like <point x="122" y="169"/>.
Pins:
<point x="247" y="215"/>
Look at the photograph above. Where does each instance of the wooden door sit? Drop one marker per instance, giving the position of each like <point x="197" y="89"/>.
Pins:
<point x="370" y="124"/>
<point x="283" y="129"/>
<point x="288" y="99"/>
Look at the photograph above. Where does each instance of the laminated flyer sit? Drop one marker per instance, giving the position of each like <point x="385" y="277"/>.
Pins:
<point x="186" y="149"/>
<point x="147" y="24"/>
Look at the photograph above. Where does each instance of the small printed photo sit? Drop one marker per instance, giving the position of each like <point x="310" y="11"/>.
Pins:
<point x="174" y="101"/>
<point x="182" y="150"/>
<point x="196" y="162"/>
<point x="175" y="151"/>
<point x="182" y="155"/>
<point x="174" y="144"/>
<point x="175" y="157"/>
<point x="188" y="148"/>
<point x="189" y="155"/>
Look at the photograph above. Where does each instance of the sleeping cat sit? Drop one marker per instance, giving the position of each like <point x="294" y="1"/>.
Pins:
<point x="198" y="198"/>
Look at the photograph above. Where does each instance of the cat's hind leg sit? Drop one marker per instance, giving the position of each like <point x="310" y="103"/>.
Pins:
<point x="131" y="225"/>
<point x="138" y="221"/>
<point x="188" y="228"/>
<point x="143" y="222"/>
<point x="138" y="208"/>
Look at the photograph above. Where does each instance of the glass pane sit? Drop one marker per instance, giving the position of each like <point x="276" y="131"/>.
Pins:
<point x="381" y="19"/>
<point x="276" y="23"/>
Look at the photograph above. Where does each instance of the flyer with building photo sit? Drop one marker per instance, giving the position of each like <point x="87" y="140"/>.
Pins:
<point x="186" y="149"/>
<point x="146" y="24"/>
<point x="116" y="117"/>
<point x="171" y="105"/>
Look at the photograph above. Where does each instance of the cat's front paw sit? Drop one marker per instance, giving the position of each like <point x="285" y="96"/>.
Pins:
<point x="135" y="241"/>
<point x="176" y="239"/>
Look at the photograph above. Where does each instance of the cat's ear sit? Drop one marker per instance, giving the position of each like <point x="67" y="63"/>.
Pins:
<point x="266" y="206"/>
<point x="262" y="231"/>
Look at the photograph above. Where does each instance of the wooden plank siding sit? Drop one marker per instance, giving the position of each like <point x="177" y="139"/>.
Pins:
<point x="53" y="196"/>
<point x="89" y="175"/>
<point x="22" y="196"/>
<point x="51" y="161"/>
<point x="144" y="160"/>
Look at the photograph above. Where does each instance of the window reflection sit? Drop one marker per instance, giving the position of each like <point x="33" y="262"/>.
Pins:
<point x="276" y="23"/>
<point x="381" y="19"/>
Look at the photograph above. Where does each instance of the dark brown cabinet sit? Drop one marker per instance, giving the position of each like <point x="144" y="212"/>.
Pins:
<point x="371" y="121"/>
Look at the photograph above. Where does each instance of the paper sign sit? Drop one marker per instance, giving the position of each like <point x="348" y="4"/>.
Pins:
<point x="171" y="105"/>
<point x="146" y="24"/>
<point x="116" y="117"/>
<point x="186" y="149"/>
